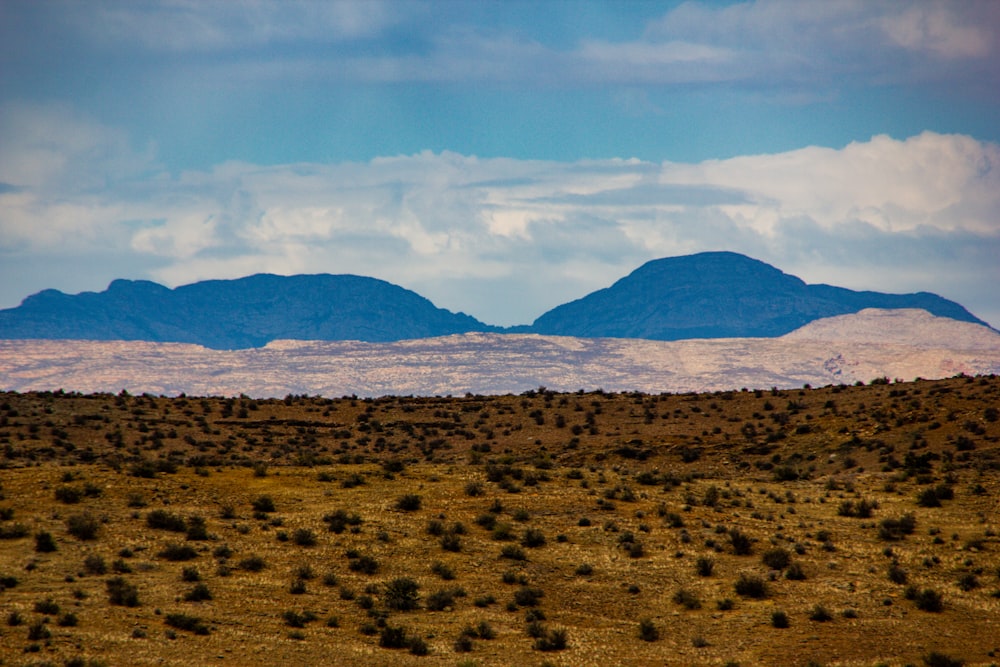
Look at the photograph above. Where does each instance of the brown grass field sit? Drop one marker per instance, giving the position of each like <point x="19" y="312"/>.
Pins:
<point x="561" y="529"/>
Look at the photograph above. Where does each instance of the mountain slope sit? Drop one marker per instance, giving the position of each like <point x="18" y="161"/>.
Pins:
<point x="718" y="295"/>
<point x="231" y="314"/>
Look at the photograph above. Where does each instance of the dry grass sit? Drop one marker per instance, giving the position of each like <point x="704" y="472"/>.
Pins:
<point x="607" y="503"/>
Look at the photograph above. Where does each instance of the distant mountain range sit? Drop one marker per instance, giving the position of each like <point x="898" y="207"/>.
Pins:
<point x="707" y="295"/>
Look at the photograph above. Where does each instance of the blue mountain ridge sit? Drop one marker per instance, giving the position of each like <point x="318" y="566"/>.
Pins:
<point x="707" y="295"/>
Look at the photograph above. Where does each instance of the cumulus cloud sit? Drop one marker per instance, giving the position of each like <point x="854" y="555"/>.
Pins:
<point x="499" y="238"/>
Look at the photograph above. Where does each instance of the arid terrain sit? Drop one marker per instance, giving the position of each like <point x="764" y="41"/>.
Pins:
<point x="904" y="344"/>
<point x="853" y="524"/>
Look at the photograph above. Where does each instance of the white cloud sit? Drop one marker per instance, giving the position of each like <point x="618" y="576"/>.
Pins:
<point x="503" y="239"/>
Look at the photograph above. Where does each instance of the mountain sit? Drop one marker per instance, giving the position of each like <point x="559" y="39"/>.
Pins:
<point x="233" y="314"/>
<point x="841" y="350"/>
<point x="718" y="295"/>
<point x="708" y="295"/>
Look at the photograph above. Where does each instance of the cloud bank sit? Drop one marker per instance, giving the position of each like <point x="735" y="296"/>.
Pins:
<point x="501" y="239"/>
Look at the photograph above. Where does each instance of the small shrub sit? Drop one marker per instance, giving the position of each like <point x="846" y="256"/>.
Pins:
<point x="890" y="529"/>
<point x="38" y="631"/>
<point x="363" y="564"/>
<point x="68" y="620"/>
<point x="527" y="596"/>
<point x="178" y="552"/>
<point x="897" y="574"/>
<point x="83" y="526"/>
<point x="929" y="600"/>
<point x="122" y="593"/>
<point x="704" y="566"/>
<point x="820" y="614"/>
<point x="401" y="594"/>
<point x="304" y="537"/>
<point x="392" y="637"/>
<point x="441" y="600"/>
<point x="751" y="586"/>
<point x="648" y="632"/>
<point x="263" y="504"/>
<point x="968" y="582"/>
<point x="188" y="623"/>
<point x="553" y="640"/>
<point x="294" y="619"/>
<point x="935" y="659"/>
<point x="198" y="593"/>
<point x="46" y="606"/>
<point x="451" y="542"/>
<point x="741" y="543"/>
<point x="779" y="619"/>
<point x="164" y="520"/>
<point x="94" y="564"/>
<point x="68" y="495"/>
<point x="443" y="571"/>
<point x="513" y="552"/>
<point x="410" y="502"/>
<point x="44" y="543"/>
<point x="777" y="558"/>
<point x="687" y="599"/>
<point x="252" y="564"/>
<point x="533" y="538"/>
<point x="584" y="570"/>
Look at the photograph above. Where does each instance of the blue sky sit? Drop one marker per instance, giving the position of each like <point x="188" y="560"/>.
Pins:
<point x="499" y="157"/>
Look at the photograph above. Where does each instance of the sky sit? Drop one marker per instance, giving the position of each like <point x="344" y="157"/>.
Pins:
<point x="499" y="157"/>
